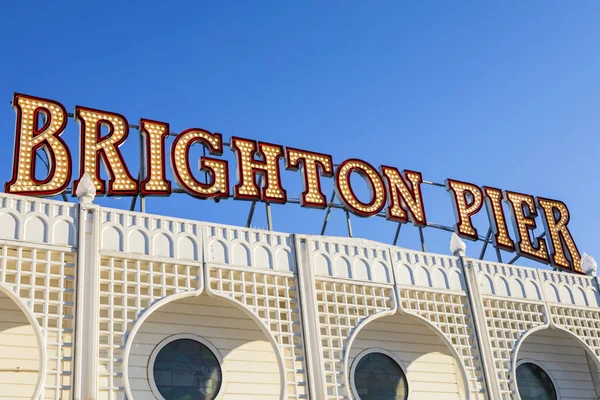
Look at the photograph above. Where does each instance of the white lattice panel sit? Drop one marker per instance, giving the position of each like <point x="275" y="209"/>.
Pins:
<point x="44" y="279"/>
<point x="433" y="288"/>
<point x="513" y="306"/>
<point x="128" y="287"/>
<point x="574" y="306"/>
<point x="507" y="322"/>
<point x="341" y="308"/>
<point x="256" y="269"/>
<point x="273" y="299"/>
<point x="353" y="282"/>
<point x="517" y="300"/>
<point x="145" y="234"/>
<point x="33" y="220"/>
<point x="584" y="323"/>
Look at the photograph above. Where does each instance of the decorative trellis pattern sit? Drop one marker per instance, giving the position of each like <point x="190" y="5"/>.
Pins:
<point x="45" y="280"/>
<point x="450" y="314"/>
<point x="342" y="306"/>
<point x="273" y="299"/>
<point x="507" y="321"/>
<point x="581" y="322"/>
<point x="142" y="259"/>
<point x="127" y="288"/>
<point x="433" y="287"/>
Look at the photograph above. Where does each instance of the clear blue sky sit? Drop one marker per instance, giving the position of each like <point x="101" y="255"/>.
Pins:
<point x="503" y="93"/>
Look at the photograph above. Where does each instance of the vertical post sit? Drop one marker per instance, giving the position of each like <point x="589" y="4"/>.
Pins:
<point x="327" y="213"/>
<point x="422" y="239"/>
<point x="591" y="359"/>
<point x="87" y="297"/>
<point x="498" y="255"/>
<point x="142" y="173"/>
<point x="397" y="233"/>
<point x="79" y="379"/>
<point x="250" y="214"/>
<point x="349" y="224"/>
<point x="482" y="338"/>
<point x="310" y="320"/>
<point x="253" y="206"/>
<point x="485" y="244"/>
<point x="269" y="220"/>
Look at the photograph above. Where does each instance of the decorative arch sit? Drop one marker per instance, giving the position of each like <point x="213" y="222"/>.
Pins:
<point x="243" y="295"/>
<point x="350" y="341"/>
<point x="10" y="225"/>
<point x="134" y="327"/>
<point x="264" y="328"/>
<point x="448" y="333"/>
<point x="394" y="311"/>
<point x="162" y="244"/>
<point x="451" y="348"/>
<point x="32" y="224"/>
<point x="39" y="386"/>
<point x="517" y="348"/>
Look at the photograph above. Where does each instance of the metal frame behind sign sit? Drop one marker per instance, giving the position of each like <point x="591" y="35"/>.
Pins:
<point x="328" y="206"/>
<point x="331" y="204"/>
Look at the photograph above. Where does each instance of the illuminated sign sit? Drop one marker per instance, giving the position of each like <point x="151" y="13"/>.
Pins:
<point x="398" y="192"/>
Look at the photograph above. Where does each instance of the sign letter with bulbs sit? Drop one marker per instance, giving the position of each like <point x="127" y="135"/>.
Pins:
<point x="42" y="166"/>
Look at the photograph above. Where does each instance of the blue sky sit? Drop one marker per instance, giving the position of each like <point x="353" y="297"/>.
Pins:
<point x="504" y="94"/>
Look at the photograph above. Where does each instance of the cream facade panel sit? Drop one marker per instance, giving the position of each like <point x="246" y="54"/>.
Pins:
<point x="20" y="349"/>
<point x="520" y="302"/>
<point x="431" y="370"/>
<point x="37" y="278"/>
<point x="89" y="295"/>
<point x="239" y="340"/>
<point x="564" y="359"/>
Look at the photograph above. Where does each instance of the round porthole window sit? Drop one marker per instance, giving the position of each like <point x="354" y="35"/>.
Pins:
<point x="534" y="383"/>
<point x="185" y="367"/>
<point x="377" y="376"/>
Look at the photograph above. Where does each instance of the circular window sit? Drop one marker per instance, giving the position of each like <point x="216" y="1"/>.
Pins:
<point x="186" y="367"/>
<point x="534" y="383"/>
<point x="377" y="376"/>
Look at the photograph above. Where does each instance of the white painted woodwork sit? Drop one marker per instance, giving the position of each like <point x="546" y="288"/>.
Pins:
<point x="429" y="367"/>
<point x="19" y="352"/>
<point x="309" y="293"/>
<point x="250" y="368"/>
<point x="564" y="359"/>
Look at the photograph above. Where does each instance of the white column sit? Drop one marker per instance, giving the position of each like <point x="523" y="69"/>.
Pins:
<point x="458" y="248"/>
<point x="87" y="298"/>
<point x="310" y="321"/>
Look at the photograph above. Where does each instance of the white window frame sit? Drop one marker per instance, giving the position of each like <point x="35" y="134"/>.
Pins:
<point x="172" y="338"/>
<point x="543" y="368"/>
<point x="371" y="351"/>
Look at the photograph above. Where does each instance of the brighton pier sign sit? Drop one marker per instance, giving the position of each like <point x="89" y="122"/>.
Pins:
<point x="40" y="123"/>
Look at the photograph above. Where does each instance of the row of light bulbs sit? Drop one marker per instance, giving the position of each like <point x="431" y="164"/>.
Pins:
<point x="400" y="190"/>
